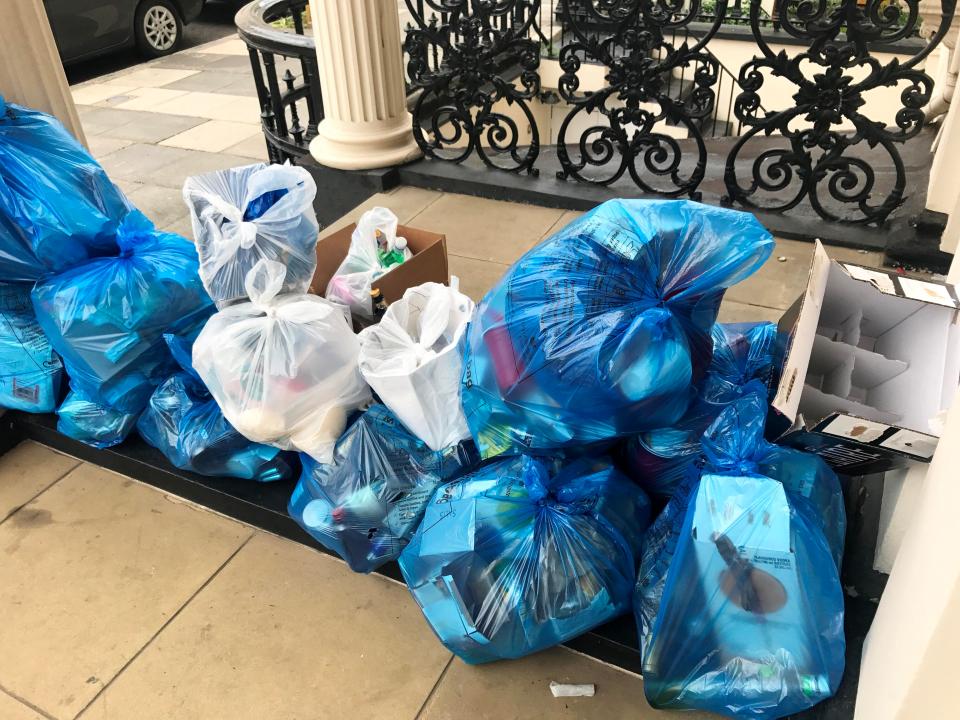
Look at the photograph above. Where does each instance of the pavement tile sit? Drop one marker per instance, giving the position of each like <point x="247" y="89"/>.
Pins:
<point x="162" y="205"/>
<point x="283" y="632"/>
<point x="778" y="283"/>
<point x="133" y="125"/>
<point x="101" y="145"/>
<point x="488" y="229"/>
<point x="521" y="689"/>
<point x="193" y="162"/>
<point x="186" y="60"/>
<point x="148" y="99"/>
<point x="229" y="46"/>
<point x="98" y="92"/>
<point x="91" y="570"/>
<point x="213" y="106"/>
<point x="406" y="203"/>
<point x="737" y="312"/>
<point x="206" y="81"/>
<point x="568" y="217"/>
<point x="254" y="147"/>
<point x="214" y="136"/>
<point x="12" y="709"/>
<point x="232" y="63"/>
<point x="182" y="227"/>
<point x="140" y="161"/>
<point x="149" y="77"/>
<point x="25" y="472"/>
<point x="476" y="276"/>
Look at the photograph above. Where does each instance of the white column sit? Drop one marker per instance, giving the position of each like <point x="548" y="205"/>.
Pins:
<point x="910" y="655"/>
<point x="31" y="73"/>
<point x="366" y="123"/>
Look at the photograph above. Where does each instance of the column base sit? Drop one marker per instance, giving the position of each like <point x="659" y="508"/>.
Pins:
<point x="364" y="146"/>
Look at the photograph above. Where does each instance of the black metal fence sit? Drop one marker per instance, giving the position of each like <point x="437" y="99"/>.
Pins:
<point x="477" y="65"/>
<point x="284" y="64"/>
<point x="667" y="106"/>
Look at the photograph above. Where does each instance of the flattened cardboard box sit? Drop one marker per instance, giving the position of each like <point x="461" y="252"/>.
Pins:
<point x="871" y="358"/>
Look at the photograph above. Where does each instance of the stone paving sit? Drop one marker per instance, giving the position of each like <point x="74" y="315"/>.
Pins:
<point x="121" y="602"/>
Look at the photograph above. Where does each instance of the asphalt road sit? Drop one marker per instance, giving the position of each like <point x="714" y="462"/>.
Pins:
<point x="216" y="21"/>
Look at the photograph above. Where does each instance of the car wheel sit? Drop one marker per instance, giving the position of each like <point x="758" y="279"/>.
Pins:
<point x="157" y="27"/>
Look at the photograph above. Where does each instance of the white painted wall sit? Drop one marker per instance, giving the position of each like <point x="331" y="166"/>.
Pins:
<point x="910" y="656"/>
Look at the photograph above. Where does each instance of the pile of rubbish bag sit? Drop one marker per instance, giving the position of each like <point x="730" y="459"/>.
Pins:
<point x="512" y="456"/>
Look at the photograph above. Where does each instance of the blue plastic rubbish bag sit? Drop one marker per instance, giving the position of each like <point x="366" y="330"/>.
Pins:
<point x="520" y="555"/>
<point x="744" y="360"/>
<point x="106" y="318"/>
<point x="30" y="371"/>
<point x="245" y="214"/>
<point x="368" y="502"/>
<point x="92" y="423"/>
<point x="185" y="423"/>
<point x="601" y="330"/>
<point x="57" y="206"/>
<point x="738" y="601"/>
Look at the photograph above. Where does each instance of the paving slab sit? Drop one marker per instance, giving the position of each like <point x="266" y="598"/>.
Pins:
<point x="182" y="227"/>
<point x="164" y="206"/>
<point x="187" y="60"/>
<point x="779" y="282"/>
<point x="140" y="161"/>
<point x="231" y="63"/>
<point x="143" y="127"/>
<point x="406" y="203"/>
<point x="93" y="93"/>
<point x="101" y="145"/>
<point x="476" y="276"/>
<point x="488" y="229"/>
<point x="13" y="709"/>
<point x="214" y="81"/>
<point x="283" y="632"/>
<point x="521" y="689"/>
<point x="194" y="162"/>
<point x="254" y="147"/>
<point x="213" y="106"/>
<point x="143" y="77"/>
<point x="214" y="136"/>
<point x="91" y="570"/>
<point x="228" y="46"/>
<point x="146" y="99"/>
<point x="25" y="472"/>
<point x="732" y="311"/>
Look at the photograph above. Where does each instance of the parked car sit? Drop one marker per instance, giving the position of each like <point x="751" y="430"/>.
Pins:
<point x="84" y="28"/>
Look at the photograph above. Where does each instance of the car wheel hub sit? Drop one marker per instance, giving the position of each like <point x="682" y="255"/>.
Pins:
<point x="160" y="27"/>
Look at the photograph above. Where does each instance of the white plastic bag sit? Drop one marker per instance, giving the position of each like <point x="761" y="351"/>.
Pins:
<point x="413" y="359"/>
<point x="283" y="369"/>
<point x="246" y="214"/>
<point x="353" y="280"/>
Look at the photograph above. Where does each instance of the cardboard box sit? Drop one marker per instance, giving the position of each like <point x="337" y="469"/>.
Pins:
<point x="428" y="264"/>
<point x="870" y="360"/>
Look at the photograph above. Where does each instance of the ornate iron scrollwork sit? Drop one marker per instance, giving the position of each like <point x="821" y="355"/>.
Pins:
<point x="831" y="147"/>
<point x="458" y="60"/>
<point x="631" y="40"/>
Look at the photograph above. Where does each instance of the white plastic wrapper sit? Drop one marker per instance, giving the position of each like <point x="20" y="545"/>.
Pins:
<point x="413" y="359"/>
<point x="283" y="369"/>
<point x="353" y="280"/>
<point x="246" y="214"/>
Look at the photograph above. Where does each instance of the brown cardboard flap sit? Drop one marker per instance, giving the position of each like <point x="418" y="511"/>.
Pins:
<point x="428" y="264"/>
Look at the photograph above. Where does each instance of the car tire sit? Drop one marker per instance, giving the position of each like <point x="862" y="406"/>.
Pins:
<point x="158" y="28"/>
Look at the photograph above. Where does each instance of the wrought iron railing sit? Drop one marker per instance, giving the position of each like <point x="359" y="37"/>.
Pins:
<point x="477" y="66"/>
<point x="475" y="90"/>
<point x="284" y="63"/>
